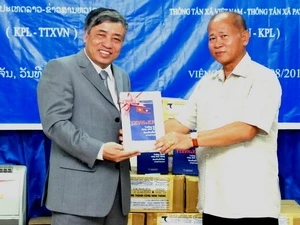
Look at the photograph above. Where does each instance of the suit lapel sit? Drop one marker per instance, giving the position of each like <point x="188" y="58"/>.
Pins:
<point x="118" y="79"/>
<point x="91" y="74"/>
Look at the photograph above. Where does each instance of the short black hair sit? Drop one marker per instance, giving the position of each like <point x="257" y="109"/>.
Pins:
<point x="100" y="15"/>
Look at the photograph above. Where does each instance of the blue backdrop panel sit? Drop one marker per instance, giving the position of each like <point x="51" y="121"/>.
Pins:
<point x="289" y="164"/>
<point x="165" y="49"/>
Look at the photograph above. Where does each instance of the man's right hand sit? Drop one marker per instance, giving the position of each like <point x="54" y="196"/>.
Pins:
<point x="116" y="153"/>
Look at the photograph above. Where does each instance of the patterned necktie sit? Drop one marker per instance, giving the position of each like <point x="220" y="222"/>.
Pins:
<point x="111" y="86"/>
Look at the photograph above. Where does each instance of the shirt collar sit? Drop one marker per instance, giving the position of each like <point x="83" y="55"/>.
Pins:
<point x="98" y="68"/>
<point x="241" y="68"/>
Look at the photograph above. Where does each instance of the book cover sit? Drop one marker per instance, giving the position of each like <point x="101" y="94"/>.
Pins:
<point x="185" y="162"/>
<point x="142" y="119"/>
<point x="152" y="162"/>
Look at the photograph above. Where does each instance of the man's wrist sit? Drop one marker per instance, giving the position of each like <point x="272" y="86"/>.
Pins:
<point x="194" y="139"/>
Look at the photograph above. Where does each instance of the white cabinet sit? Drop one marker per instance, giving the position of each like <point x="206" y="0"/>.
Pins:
<point x="12" y="195"/>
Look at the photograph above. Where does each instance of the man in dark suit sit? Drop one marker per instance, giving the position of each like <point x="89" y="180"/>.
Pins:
<point x="88" y="181"/>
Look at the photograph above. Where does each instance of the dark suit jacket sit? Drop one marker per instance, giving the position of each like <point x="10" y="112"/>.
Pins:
<point x="78" y="115"/>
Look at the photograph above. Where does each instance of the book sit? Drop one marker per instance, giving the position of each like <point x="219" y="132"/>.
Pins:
<point x="185" y="162"/>
<point x="152" y="162"/>
<point x="142" y="120"/>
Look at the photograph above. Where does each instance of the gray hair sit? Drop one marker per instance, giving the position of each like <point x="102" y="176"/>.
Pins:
<point x="100" y="15"/>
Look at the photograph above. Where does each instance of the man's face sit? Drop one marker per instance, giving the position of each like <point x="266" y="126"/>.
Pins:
<point x="103" y="42"/>
<point x="227" y="42"/>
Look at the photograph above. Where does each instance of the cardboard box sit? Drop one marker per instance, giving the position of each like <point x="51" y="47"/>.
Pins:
<point x="191" y="194"/>
<point x="290" y="215"/>
<point x="136" y="219"/>
<point x="173" y="218"/>
<point x="40" y="220"/>
<point x="289" y="202"/>
<point x="171" y="107"/>
<point x="157" y="193"/>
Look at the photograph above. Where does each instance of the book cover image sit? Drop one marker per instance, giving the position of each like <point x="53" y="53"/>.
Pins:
<point x="142" y="121"/>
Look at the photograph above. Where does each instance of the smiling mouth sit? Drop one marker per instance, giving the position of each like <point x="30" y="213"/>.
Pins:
<point x="104" y="52"/>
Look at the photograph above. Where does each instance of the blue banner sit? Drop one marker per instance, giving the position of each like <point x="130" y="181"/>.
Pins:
<point x="165" y="48"/>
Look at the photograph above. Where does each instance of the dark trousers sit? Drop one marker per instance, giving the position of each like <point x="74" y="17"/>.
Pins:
<point x="215" y="220"/>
